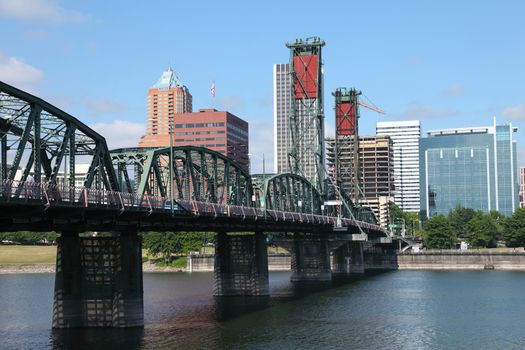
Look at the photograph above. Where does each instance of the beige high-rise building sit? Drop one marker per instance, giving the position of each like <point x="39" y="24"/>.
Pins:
<point x="376" y="163"/>
<point x="166" y="98"/>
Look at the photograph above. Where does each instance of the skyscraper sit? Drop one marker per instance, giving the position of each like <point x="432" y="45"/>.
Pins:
<point x="167" y="97"/>
<point x="405" y="137"/>
<point x="472" y="167"/>
<point x="281" y="115"/>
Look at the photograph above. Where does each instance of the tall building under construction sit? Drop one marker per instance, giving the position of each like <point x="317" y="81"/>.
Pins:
<point x="376" y="171"/>
<point x="166" y="98"/>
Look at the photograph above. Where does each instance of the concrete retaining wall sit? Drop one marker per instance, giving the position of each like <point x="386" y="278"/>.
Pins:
<point x="461" y="260"/>
<point x="204" y="262"/>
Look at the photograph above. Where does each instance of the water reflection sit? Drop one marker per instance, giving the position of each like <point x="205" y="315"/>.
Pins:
<point x="404" y="309"/>
<point x="97" y="338"/>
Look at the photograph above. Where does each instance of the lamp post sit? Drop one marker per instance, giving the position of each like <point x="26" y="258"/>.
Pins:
<point x="264" y="174"/>
<point x="171" y="167"/>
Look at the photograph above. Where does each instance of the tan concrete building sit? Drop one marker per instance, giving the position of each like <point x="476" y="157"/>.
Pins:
<point x="166" y="98"/>
<point x="376" y="163"/>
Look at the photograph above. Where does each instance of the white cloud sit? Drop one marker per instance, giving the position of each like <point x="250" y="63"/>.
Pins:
<point x="453" y="90"/>
<point x="419" y="111"/>
<point x="104" y="106"/>
<point x="14" y="71"/>
<point x="120" y="133"/>
<point x="261" y="142"/>
<point x="515" y="112"/>
<point x="46" y="10"/>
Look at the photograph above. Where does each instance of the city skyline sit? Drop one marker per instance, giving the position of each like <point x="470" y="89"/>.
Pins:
<point x="96" y="61"/>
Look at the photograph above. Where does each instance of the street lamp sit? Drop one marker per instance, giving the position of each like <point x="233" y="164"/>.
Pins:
<point x="264" y="174"/>
<point x="171" y="167"/>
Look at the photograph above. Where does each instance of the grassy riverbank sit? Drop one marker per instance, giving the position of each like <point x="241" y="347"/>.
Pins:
<point x="27" y="255"/>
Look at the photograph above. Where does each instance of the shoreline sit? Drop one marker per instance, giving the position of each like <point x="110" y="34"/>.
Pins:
<point x="149" y="268"/>
<point x="13" y="269"/>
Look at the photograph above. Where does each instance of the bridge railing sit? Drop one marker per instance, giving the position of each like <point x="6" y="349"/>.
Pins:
<point x="61" y="195"/>
<point x="51" y="195"/>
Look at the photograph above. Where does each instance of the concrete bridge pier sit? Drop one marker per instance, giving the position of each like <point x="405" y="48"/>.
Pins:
<point x="310" y="259"/>
<point x="348" y="260"/>
<point x="241" y="265"/>
<point x="98" y="281"/>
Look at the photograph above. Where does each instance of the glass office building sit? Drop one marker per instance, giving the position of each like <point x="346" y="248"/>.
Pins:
<point x="472" y="167"/>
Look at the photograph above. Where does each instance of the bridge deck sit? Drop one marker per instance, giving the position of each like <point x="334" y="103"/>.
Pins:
<point x="44" y="207"/>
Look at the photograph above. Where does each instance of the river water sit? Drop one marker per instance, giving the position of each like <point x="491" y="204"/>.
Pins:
<point x="395" y="310"/>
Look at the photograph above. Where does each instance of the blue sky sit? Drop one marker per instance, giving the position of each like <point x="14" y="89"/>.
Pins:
<point x="447" y="63"/>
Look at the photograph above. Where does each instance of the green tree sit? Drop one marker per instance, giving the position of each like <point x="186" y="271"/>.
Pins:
<point x="498" y="219"/>
<point x="29" y="237"/>
<point x="514" y="229"/>
<point x="167" y="243"/>
<point x="458" y="218"/>
<point x="438" y="233"/>
<point x="482" y="231"/>
<point x="162" y="243"/>
<point x="411" y="220"/>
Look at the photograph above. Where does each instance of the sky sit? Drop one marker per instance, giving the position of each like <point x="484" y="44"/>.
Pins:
<point x="447" y="63"/>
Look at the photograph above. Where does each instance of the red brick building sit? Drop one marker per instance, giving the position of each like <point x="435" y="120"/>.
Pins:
<point x="220" y="131"/>
<point x="217" y="130"/>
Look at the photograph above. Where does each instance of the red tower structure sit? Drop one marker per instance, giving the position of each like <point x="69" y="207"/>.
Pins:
<point x="306" y="152"/>
<point x="346" y="160"/>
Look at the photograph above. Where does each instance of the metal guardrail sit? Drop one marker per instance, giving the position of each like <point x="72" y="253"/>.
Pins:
<point x="48" y="195"/>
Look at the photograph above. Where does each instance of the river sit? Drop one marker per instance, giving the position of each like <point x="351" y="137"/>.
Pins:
<point x="394" y="310"/>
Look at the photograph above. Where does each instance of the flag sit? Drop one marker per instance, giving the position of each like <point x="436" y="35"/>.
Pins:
<point x="213" y="88"/>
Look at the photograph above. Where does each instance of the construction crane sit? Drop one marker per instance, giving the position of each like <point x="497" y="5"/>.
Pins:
<point x="375" y="109"/>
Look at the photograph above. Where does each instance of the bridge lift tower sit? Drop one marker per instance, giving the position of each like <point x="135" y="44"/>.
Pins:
<point x="306" y="147"/>
<point x="346" y="160"/>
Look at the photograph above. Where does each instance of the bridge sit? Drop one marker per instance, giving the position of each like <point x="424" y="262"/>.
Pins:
<point x="127" y="191"/>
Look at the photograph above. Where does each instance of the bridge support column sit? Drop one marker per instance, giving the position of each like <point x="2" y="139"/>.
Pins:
<point x="98" y="282"/>
<point x="241" y="265"/>
<point x="348" y="260"/>
<point x="310" y="259"/>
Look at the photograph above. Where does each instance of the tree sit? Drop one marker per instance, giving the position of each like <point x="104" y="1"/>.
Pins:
<point x="498" y="219"/>
<point x="482" y="231"/>
<point x="439" y="234"/>
<point x="168" y="243"/>
<point x="514" y="229"/>
<point x="458" y="218"/>
<point x="412" y="224"/>
<point x="29" y="237"/>
<point x="411" y="220"/>
<point x="162" y="243"/>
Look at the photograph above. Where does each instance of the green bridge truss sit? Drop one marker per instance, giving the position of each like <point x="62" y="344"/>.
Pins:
<point x="37" y="136"/>
<point x="197" y="174"/>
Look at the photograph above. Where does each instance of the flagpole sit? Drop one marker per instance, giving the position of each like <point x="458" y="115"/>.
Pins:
<point x="213" y="93"/>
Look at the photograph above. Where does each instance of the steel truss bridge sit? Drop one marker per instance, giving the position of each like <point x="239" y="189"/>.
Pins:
<point x="98" y="280"/>
<point x="131" y="188"/>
